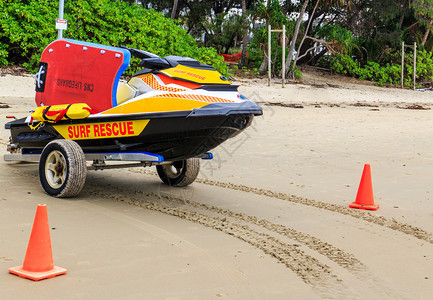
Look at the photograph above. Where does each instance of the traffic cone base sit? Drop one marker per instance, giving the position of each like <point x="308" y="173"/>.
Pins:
<point x="36" y="276"/>
<point x="363" y="206"/>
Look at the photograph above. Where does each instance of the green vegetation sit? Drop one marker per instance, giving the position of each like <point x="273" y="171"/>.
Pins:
<point x="388" y="73"/>
<point x="344" y="64"/>
<point x="360" y="38"/>
<point x="27" y="27"/>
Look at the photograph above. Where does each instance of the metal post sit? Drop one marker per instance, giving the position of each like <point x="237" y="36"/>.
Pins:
<point x="61" y="8"/>
<point x="284" y="55"/>
<point x="269" y="55"/>
<point x="402" y="64"/>
<point x="414" y="65"/>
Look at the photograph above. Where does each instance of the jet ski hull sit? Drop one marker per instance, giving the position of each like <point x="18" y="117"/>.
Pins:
<point x="175" y="136"/>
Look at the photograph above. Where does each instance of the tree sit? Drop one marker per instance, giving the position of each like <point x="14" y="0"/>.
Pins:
<point x="218" y="21"/>
<point x="295" y="37"/>
<point x="424" y="14"/>
<point x="328" y="5"/>
<point x="292" y="71"/>
<point x="245" y="37"/>
<point x="174" y="10"/>
<point x="273" y="13"/>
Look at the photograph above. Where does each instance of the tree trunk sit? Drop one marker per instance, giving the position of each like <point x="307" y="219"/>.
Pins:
<point x="295" y="36"/>
<point x="264" y="66"/>
<point x="424" y="39"/>
<point x="245" y="38"/>
<point x="400" y="22"/>
<point x="229" y="45"/>
<point x="174" y="10"/>
<point x="404" y="8"/>
<point x="292" y="72"/>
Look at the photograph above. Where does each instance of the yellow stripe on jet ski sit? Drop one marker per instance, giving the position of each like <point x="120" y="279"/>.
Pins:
<point x="101" y="130"/>
<point x="155" y="104"/>
<point x="200" y="76"/>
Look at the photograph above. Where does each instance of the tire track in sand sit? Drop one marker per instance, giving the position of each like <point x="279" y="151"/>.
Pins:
<point x="359" y="214"/>
<point x="290" y="255"/>
<point x="342" y="258"/>
<point x="308" y="268"/>
<point x="363" y="215"/>
<point x="319" y="275"/>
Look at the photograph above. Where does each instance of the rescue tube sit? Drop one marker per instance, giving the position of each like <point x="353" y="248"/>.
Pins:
<point x="55" y="113"/>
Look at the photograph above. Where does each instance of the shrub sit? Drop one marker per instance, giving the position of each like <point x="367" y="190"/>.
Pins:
<point x="424" y="68"/>
<point x="27" y="27"/>
<point x="386" y="74"/>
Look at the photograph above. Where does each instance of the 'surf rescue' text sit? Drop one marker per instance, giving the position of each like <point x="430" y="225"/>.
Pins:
<point x="101" y="130"/>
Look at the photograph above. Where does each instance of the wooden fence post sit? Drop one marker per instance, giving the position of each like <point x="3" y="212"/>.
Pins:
<point x="284" y="55"/>
<point x="402" y="64"/>
<point x="269" y="55"/>
<point x="414" y="66"/>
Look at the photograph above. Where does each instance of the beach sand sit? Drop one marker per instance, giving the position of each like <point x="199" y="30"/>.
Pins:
<point x="268" y="217"/>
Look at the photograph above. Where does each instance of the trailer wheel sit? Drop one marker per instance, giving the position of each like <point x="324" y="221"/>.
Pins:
<point x="62" y="168"/>
<point x="179" y="173"/>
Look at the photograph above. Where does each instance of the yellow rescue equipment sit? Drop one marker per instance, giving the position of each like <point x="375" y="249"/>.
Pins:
<point x="55" y="113"/>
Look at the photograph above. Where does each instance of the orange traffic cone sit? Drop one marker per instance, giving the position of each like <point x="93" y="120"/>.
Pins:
<point x="38" y="263"/>
<point x="364" y="197"/>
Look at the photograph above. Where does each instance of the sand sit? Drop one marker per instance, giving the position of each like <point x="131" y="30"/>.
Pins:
<point x="268" y="217"/>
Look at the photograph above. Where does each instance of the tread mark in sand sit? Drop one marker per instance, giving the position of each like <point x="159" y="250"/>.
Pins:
<point x="363" y="215"/>
<point x="366" y="216"/>
<point x="312" y="272"/>
<point x="308" y="268"/>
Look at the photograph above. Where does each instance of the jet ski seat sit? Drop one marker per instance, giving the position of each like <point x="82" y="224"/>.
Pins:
<point x="133" y="88"/>
<point x="125" y="92"/>
<point x="73" y="71"/>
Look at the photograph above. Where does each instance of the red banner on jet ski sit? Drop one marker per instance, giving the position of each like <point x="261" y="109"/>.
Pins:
<point x="79" y="72"/>
<point x="101" y="130"/>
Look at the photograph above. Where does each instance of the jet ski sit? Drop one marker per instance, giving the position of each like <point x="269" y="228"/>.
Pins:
<point x="170" y="113"/>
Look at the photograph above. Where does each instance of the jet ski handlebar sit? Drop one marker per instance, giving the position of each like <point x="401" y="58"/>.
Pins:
<point x="141" y="54"/>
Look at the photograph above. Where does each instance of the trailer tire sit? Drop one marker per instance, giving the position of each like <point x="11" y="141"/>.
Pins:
<point x="62" y="168"/>
<point x="179" y="173"/>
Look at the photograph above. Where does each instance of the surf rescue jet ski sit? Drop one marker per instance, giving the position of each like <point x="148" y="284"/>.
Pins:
<point x="169" y="114"/>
